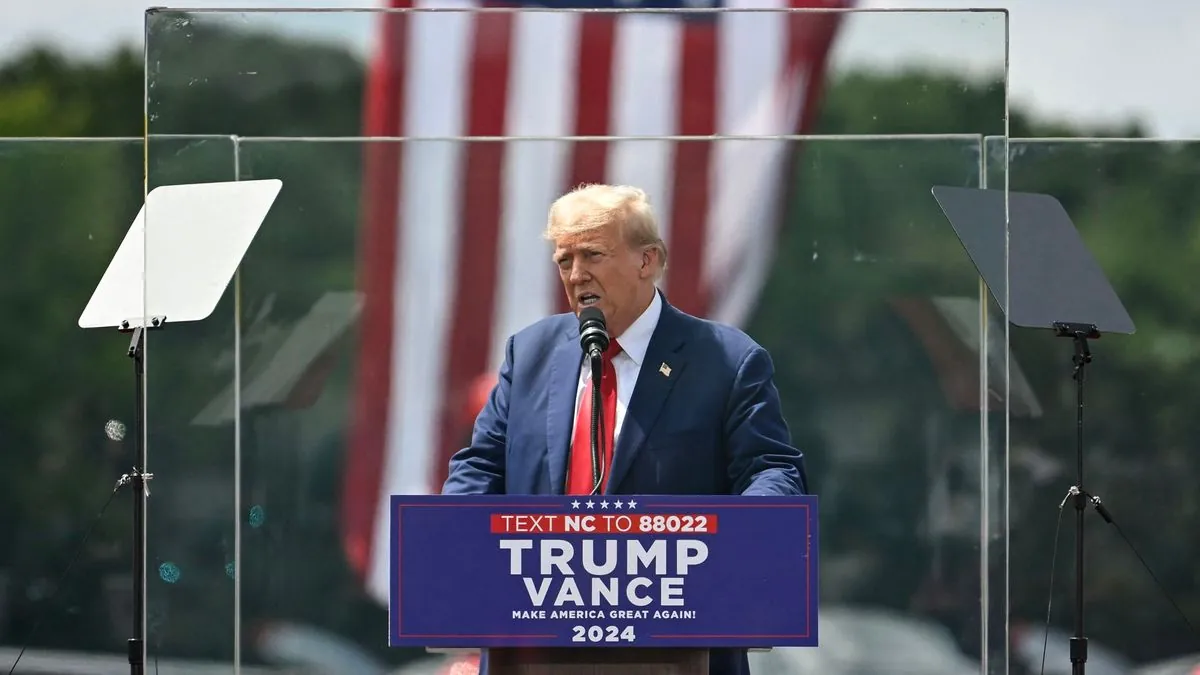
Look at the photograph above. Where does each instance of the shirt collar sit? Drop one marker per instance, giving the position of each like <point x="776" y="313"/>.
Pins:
<point x="636" y="339"/>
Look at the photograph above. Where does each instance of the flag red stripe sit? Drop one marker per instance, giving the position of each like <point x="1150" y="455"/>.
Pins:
<point x="593" y="103"/>
<point x="810" y="40"/>
<point x="378" y="270"/>
<point x="691" y="174"/>
<point x="476" y="262"/>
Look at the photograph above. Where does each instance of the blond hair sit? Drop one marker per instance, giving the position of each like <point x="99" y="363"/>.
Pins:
<point x="592" y="206"/>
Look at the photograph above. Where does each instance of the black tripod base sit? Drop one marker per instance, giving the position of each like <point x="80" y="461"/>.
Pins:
<point x="136" y="666"/>
<point x="1078" y="654"/>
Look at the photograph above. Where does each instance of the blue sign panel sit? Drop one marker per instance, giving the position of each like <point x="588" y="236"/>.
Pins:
<point x="619" y="571"/>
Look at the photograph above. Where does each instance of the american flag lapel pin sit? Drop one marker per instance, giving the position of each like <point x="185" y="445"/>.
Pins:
<point x="665" y="370"/>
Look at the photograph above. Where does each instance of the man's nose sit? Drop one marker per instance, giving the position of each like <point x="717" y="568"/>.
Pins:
<point x="578" y="273"/>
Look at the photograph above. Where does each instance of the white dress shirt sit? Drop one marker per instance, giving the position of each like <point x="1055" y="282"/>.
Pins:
<point x="634" y="343"/>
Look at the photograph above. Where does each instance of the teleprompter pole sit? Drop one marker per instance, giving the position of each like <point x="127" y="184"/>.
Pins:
<point x="138" y="479"/>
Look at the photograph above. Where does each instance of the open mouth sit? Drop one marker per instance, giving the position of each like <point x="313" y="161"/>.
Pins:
<point x="588" y="299"/>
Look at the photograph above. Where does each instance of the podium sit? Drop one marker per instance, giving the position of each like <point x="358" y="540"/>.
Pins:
<point x="602" y="584"/>
<point x="597" y="661"/>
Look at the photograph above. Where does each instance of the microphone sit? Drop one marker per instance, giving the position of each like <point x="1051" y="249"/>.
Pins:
<point x="593" y="338"/>
<point x="593" y="333"/>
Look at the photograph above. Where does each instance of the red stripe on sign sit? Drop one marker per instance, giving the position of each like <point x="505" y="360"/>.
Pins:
<point x="692" y="170"/>
<point x="593" y="106"/>
<point x="470" y="328"/>
<point x="378" y="271"/>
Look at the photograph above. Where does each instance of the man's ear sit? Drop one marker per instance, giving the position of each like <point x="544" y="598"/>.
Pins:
<point x="647" y="264"/>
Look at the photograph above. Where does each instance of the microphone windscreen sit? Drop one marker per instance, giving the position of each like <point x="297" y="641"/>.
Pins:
<point x="591" y="316"/>
<point x="593" y="334"/>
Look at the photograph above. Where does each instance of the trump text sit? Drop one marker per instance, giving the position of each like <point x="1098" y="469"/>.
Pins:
<point x="617" y="572"/>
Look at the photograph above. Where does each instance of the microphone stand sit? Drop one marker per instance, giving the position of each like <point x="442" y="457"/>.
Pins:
<point x="593" y="337"/>
<point x="596" y="359"/>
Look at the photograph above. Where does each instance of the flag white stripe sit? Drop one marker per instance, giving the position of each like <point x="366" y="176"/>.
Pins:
<point x="540" y="103"/>
<point x="753" y="49"/>
<point x="645" y="103"/>
<point x="430" y="206"/>
<point x="744" y="278"/>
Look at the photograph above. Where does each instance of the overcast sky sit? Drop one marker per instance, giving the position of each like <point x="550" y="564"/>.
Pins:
<point x="1103" y="60"/>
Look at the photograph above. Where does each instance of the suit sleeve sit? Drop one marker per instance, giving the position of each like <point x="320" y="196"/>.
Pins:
<point x="478" y="469"/>
<point x="762" y="460"/>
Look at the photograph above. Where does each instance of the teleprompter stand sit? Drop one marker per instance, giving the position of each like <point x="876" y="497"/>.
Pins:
<point x="176" y="260"/>
<point x="1049" y="280"/>
<point x="138" y="479"/>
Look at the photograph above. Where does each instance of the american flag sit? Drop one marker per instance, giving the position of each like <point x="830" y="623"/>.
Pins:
<point x="452" y="259"/>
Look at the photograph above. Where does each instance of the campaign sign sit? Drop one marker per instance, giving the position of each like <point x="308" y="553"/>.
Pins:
<point x="603" y="570"/>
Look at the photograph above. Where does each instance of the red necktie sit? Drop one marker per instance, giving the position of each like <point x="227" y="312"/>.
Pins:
<point x="579" y="475"/>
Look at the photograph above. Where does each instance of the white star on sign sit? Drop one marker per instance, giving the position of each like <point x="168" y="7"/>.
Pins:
<point x="618" y="503"/>
<point x="575" y="504"/>
<point x="632" y="504"/>
<point x="590" y="503"/>
<point x="604" y="504"/>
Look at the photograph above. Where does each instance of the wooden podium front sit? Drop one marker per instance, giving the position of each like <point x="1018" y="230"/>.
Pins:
<point x="597" y="661"/>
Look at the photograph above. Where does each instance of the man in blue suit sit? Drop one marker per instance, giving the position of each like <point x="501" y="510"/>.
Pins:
<point x="691" y="403"/>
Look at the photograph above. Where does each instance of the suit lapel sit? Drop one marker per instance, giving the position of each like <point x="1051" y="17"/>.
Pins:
<point x="660" y="370"/>
<point x="565" y="361"/>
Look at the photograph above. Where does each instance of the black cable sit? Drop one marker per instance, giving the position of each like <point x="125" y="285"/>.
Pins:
<point x="597" y="462"/>
<point x="1050" y="591"/>
<point x="62" y="579"/>
<point x="598" y="485"/>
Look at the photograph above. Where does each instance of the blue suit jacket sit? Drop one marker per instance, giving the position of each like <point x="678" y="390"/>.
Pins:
<point x="712" y="426"/>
